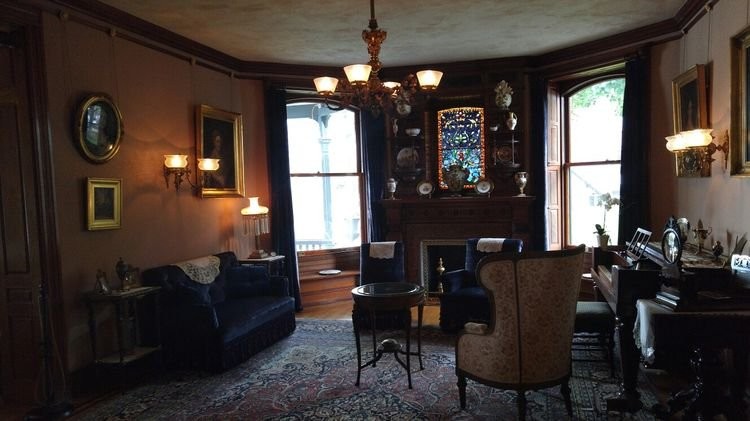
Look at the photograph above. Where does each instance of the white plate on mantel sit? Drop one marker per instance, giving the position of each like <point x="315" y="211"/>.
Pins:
<point x="329" y="272"/>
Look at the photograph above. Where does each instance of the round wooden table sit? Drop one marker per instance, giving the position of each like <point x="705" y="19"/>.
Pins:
<point x="388" y="296"/>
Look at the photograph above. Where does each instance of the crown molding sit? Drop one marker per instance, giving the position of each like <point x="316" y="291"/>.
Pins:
<point x="107" y="18"/>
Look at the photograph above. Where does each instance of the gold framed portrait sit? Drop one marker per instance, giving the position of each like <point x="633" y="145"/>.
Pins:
<point x="219" y="135"/>
<point x="104" y="203"/>
<point x="740" y="143"/>
<point x="98" y="128"/>
<point x="689" y="104"/>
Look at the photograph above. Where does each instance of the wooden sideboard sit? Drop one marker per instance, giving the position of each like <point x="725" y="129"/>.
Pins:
<point x="415" y="220"/>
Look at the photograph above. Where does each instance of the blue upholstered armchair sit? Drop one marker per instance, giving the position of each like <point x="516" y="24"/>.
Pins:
<point x="463" y="299"/>
<point x="378" y="264"/>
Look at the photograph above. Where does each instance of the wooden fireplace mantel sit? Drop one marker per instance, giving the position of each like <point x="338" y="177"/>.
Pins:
<point x="415" y="220"/>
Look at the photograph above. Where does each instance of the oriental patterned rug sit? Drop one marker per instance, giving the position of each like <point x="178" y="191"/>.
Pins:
<point x="311" y="374"/>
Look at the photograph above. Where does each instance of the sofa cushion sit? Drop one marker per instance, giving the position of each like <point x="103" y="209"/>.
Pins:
<point x="239" y="316"/>
<point x="244" y="281"/>
<point x="216" y="288"/>
<point x="192" y="293"/>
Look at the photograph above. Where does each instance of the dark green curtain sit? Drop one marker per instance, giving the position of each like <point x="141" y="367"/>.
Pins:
<point x="634" y="210"/>
<point x="373" y="159"/>
<point x="282" y="216"/>
<point x="538" y="170"/>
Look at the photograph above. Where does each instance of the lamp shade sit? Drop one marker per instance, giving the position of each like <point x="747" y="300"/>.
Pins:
<point x="208" y="164"/>
<point x="175" y="161"/>
<point x="697" y="137"/>
<point x="689" y="139"/>
<point x="325" y="85"/>
<point x="254" y="208"/>
<point x="429" y="79"/>
<point x="391" y="85"/>
<point x="358" y="74"/>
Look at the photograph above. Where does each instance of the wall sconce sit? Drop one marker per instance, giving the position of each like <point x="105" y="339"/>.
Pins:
<point x="694" y="151"/>
<point x="177" y="165"/>
<point x="256" y="220"/>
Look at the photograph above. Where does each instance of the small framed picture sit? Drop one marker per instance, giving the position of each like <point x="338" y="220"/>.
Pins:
<point x="689" y="105"/>
<point x="219" y="135"/>
<point x="104" y="203"/>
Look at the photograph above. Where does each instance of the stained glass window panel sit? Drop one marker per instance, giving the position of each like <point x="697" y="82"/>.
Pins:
<point x="461" y="141"/>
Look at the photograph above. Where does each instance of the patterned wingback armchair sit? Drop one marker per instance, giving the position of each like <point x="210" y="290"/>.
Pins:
<point x="463" y="300"/>
<point x="527" y="343"/>
<point x="382" y="262"/>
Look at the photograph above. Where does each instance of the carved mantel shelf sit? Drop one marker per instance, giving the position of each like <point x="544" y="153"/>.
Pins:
<point x="415" y="220"/>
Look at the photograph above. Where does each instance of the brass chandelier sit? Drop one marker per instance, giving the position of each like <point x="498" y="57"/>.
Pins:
<point x="363" y="87"/>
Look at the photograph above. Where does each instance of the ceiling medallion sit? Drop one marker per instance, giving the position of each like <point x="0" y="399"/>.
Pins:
<point x="363" y="87"/>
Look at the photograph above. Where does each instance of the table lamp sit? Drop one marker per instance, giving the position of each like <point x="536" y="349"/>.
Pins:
<point x="256" y="220"/>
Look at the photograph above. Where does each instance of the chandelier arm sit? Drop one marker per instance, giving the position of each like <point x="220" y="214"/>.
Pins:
<point x="371" y="93"/>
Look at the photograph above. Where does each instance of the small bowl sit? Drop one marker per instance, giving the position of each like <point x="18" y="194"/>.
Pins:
<point x="413" y="131"/>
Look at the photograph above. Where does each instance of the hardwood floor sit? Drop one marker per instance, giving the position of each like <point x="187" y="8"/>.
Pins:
<point x="343" y="311"/>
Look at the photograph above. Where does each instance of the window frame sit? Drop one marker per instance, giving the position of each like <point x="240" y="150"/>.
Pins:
<point x="361" y="183"/>
<point x="567" y="90"/>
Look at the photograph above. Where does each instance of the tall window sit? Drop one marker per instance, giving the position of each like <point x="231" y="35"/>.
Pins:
<point x="592" y="168"/>
<point x="326" y="176"/>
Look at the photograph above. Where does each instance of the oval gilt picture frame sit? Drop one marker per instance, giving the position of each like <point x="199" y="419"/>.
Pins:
<point x="98" y="128"/>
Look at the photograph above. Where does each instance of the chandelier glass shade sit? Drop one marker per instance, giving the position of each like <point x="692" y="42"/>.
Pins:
<point x="364" y="88"/>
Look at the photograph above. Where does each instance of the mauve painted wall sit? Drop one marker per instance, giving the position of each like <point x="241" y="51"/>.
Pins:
<point x="156" y="94"/>
<point x="721" y="201"/>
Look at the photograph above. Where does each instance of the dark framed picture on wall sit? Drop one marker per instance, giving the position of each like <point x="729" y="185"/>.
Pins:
<point x="689" y="104"/>
<point x="740" y="148"/>
<point x="219" y="135"/>
<point x="103" y="203"/>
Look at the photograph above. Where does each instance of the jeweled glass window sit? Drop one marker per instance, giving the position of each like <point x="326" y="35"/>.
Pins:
<point x="461" y="141"/>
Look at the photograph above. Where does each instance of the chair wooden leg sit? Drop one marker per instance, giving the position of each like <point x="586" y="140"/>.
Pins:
<point x="462" y="390"/>
<point x="611" y="352"/>
<point x="521" y="401"/>
<point x="565" y="391"/>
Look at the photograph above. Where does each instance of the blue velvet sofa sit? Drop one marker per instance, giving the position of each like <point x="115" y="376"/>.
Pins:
<point x="218" y="325"/>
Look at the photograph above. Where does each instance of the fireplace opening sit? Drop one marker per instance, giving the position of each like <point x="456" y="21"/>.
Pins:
<point x="453" y="253"/>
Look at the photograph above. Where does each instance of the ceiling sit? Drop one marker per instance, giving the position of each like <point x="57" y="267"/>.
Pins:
<point x="328" y="32"/>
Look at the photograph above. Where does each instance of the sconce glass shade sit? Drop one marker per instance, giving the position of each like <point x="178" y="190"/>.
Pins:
<point x="391" y="85"/>
<point x="358" y="74"/>
<point x="689" y="139"/>
<point x="175" y="161"/>
<point x="208" y="164"/>
<point x="429" y="79"/>
<point x="325" y="85"/>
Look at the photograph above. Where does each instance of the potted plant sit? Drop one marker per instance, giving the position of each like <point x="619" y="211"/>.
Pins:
<point x="602" y="238"/>
<point x="606" y="201"/>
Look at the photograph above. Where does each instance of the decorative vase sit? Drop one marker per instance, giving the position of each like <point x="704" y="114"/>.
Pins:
<point x="602" y="240"/>
<point x="455" y="177"/>
<point x="503" y="95"/>
<point x="521" y="178"/>
<point x="511" y="121"/>
<point x="390" y="187"/>
<point x="121" y="269"/>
